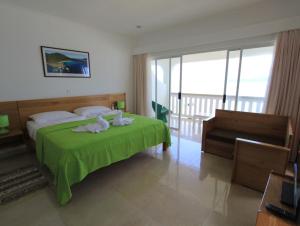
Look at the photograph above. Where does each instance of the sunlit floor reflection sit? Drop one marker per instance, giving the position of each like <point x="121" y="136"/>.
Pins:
<point x="189" y="129"/>
<point x="191" y="156"/>
<point x="204" y="180"/>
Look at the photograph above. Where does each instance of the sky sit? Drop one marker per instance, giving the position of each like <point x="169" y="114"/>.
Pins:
<point x="205" y="73"/>
<point x="70" y="54"/>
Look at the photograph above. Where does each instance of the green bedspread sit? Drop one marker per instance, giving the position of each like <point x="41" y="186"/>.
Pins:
<point x="71" y="156"/>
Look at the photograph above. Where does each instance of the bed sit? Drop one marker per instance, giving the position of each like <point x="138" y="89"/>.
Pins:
<point x="71" y="156"/>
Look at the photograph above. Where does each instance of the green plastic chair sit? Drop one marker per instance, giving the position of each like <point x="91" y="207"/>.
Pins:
<point x="162" y="111"/>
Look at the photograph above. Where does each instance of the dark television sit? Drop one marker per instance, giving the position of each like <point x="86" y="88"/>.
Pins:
<point x="290" y="193"/>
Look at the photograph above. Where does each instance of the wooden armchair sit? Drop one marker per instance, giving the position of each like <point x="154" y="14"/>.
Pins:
<point x="253" y="162"/>
<point x="258" y="143"/>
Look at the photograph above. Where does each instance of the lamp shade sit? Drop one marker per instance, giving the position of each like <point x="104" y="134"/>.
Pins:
<point x="4" y="122"/>
<point x="121" y="104"/>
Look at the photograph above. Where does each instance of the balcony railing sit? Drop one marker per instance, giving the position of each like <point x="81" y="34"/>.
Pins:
<point x="205" y="104"/>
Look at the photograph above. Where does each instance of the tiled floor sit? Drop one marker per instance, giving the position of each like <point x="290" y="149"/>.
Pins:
<point x="181" y="187"/>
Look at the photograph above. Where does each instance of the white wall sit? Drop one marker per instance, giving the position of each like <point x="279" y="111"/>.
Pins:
<point x="22" y="32"/>
<point x="256" y="23"/>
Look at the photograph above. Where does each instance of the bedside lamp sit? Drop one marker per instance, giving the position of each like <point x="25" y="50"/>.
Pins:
<point x="4" y="123"/>
<point x="120" y="105"/>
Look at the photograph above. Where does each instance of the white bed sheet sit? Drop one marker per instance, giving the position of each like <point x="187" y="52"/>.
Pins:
<point x="33" y="127"/>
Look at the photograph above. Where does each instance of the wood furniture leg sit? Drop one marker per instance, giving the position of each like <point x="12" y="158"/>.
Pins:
<point x="165" y="146"/>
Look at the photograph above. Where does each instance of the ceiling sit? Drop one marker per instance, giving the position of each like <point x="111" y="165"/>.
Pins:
<point x="122" y="16"/>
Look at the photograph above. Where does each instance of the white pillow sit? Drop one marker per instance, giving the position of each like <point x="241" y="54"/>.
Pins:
<point x="63" y="120"/>
<point x="45" y="117"/>
<point x="92" y="111"/>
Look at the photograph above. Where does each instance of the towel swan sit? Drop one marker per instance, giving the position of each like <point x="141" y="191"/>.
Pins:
<point x="120" y="121"/>
<point x="98" y="127"/>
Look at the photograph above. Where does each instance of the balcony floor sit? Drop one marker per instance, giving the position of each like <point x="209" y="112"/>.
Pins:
<point x="190" y="130"/>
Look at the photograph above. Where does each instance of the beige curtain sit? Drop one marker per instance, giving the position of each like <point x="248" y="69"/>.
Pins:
<point x="284" y="93"/>
<point x="140" y="69"/>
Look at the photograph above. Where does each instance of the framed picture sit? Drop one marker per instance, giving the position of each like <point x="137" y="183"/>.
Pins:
<point x="65" y="63"/>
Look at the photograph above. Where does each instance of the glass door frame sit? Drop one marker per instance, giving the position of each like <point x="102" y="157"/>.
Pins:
<point x="238" y="82"/>
<point x="180" y="92"/>
<point x="169" y="93"/>
<point x="238" y="77"/>
<point x="241" y="49"/>
<point x="225" y="80"/>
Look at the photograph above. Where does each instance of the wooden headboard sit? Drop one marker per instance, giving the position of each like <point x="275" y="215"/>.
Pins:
<point x="21" y="110"/>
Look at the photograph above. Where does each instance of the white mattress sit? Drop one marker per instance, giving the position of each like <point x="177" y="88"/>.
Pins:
<point x="33" y="127"/>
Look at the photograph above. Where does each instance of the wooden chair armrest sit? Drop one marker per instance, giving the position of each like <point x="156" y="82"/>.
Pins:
<point x="255" y="151"/>
<point x="289" y="134"/>
<point x="262" y="145"/>
<point x="289" y="127"/>
<point x="208" y="125"/>
<point x="209" y="119"/>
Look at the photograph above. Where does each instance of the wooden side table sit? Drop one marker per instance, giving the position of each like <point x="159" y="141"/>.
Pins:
<point x="14" y="136"/>
<point x="12" y="144"/>
<point x="272" y="195"/>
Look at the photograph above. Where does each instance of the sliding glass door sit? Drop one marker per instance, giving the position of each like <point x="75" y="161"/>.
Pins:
<point x="166" y="78"/>
<point x="247" y="78"/>
<point x="231" y="82"/>
<point x="175" y="94"/>
<point x="163" y="89"/>
<point x="203" y="76"/>
<point x="193" y="86"/>
<point x="254" y="78"/>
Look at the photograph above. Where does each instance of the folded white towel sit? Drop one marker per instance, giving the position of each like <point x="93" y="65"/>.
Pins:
<point x="98" y="127"/>
<point x="120" y="121"/>
<point x="103" y="122"/>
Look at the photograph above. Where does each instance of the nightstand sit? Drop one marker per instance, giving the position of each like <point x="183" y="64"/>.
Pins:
<point x="12" y="144"/>
<point x="14" y="136"/>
